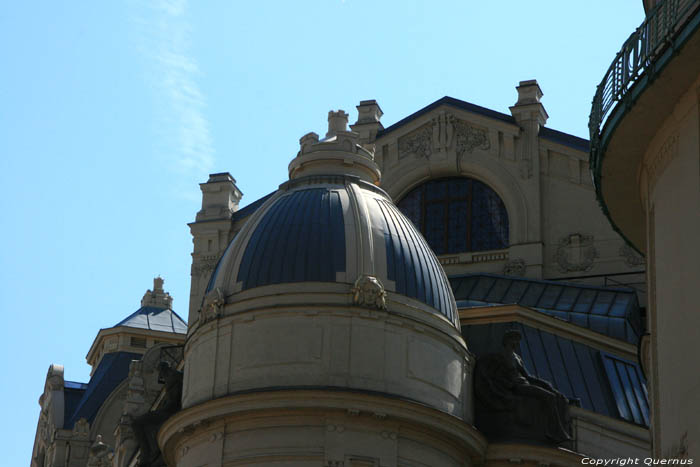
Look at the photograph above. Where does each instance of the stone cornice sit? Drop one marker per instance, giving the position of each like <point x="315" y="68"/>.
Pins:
<point x="537" y="319"/>
<point x="313" y="401"/>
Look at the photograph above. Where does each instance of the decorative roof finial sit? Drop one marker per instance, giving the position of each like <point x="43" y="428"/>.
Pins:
<point x="339" y="153"/>
<point x="337" y="121"/>
<point x="157" y="297"/>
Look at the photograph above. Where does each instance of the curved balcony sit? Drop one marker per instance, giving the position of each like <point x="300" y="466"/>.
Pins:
<point x="653" y="69"/>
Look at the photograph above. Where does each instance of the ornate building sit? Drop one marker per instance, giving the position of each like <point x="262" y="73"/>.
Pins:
<point x="645" y="154"/>
<point x="441" y="292"/>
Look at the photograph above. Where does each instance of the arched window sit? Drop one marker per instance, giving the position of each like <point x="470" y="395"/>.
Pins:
<point x="457" y="215"/>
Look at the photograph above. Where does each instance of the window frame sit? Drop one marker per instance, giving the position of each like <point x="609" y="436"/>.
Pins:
<point x="446" y="200"/>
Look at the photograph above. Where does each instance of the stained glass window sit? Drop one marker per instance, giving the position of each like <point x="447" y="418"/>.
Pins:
<point x="458" y="215"/>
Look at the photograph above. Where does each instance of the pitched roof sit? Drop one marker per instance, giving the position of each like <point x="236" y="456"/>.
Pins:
<point x="112" y="370"/>
<point x="250" y="209"/>
<point x="613" y="312"/>
<point x="451" y="101"/>
<point x="547" y="133"/>
<point x="155" y="319"/>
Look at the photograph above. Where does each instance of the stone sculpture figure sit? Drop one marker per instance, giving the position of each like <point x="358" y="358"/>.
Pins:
<point x="370" y="292"/>
<point x="146" y="426"/>
<point x="512" y="404"/>
<point x="100" y="454"/>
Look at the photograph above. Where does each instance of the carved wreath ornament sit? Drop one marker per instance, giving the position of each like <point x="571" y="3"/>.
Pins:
<point x="576" y="252"/>
<point x="368" y="291"/>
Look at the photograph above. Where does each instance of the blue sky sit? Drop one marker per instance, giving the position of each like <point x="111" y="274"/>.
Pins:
<point x="111" y="113"/>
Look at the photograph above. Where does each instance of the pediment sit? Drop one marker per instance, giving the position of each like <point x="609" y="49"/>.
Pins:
<point x="465" y="110"/>
<point x="447" y="125"/>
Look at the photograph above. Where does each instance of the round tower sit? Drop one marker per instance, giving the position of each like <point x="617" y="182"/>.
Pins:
<point x="328" y="334"/>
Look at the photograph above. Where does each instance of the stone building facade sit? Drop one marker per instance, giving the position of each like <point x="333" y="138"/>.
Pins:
<point x="443" y="291"/>
<point x="645" y="134"/>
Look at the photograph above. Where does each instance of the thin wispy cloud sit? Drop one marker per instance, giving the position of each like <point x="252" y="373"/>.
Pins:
<point x="164" y="40"/>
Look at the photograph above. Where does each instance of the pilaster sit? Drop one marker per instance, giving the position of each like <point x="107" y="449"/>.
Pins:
<point x="211" y="233"/>
<point x="530" y="115"/>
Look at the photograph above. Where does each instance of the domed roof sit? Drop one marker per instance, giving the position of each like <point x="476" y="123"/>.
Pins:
<point x="331" y="224"/>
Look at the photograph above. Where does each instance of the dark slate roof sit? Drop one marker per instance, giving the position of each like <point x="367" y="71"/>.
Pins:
<point x="250" y="209"/>
<point x="300" y="239"/>
<point x="604" y="383"/>
<point x="546" y="133"/>
<point x="410" y="263"/>
<point x="112" y="370"/>
<point x="72" y="395"/>
<point x="155" y="319"/>
<point x="74" y="385"/>
<point x="613" y="312"/>
<point x="566" y="139"/>
<point x="451" y="101"/>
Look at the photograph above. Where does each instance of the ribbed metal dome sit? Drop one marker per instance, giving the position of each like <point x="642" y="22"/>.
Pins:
<point x="326" y="225"/>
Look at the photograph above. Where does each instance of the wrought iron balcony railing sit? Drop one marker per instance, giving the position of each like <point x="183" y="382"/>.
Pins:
<point x="634" y="60"/>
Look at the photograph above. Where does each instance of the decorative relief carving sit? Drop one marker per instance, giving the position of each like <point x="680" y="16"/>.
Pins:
<point x="368" y="291"/>
<point x="632" y="258"/>
<point x="44" y="425"/>
<point x="468" y="138"/>
<point x="656" y="164"/>
<point x="205" y="265"/>
<point x="525" y="167"/>
<point x="81" y="429"/>
<point x="515" y="267"/>
<point x="213" y="305"/>
<point x="419" y="143"/>
<point x="439" y="134"/>
<point x="576" y="253"/>
<point x="473" y="258"/>
<point x="54" y="379"/>
<point x="443" y="130"/>
<point x="124" y="432"/>
<point x="487" y="257"/>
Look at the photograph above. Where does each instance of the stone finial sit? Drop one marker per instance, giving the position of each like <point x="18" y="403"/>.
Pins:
<point x="528" y="109"/>
<point x="368" y="122"/>
<point x="337" y="121"/>
<point x="341" y="152"/>
<point x="368" y="112"/>
<point x="529" y="92"/>
<point x="220" y="197"/>
<point x="306" y="141"/>
<point x="157" y="297"/>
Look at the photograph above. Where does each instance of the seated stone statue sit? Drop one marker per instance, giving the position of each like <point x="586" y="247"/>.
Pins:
<point x="146" y="426"/>
<point x="511" y="404"/>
